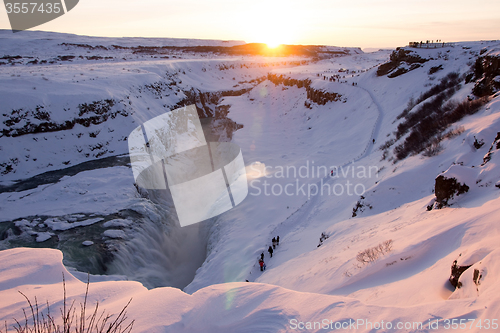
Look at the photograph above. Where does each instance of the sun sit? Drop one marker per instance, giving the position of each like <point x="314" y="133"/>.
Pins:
<point x="273" y="35"/>
<point x="273" y="44"/>
<point x="274" y="26"/>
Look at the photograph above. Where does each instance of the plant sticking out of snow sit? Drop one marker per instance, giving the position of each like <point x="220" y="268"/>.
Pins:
<point x="478" y="143"/>
<point x="360" y="205"/>
<point x="477" y="278"/>
<point x="431" y="119"/>
<point x="323" y="237"/>
<point x="494" y="146"/>
<point x="96" y="322"/>
<point x="434" y="148"/>
<point x="373" y="253"/>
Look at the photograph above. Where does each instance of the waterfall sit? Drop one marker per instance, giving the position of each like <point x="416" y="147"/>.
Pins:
<point x="159" y="251"/>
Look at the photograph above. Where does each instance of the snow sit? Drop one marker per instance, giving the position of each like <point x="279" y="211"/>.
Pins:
<point x="230" y="307"/>
<point x="43" y="236"/>
<point x="96" y="191"/>
<point x="114" y="233"/>
<point x="485" y="264"/>
<point x="56" y="224"/>
<point x="117" y="223"/>
<point x="303" y="283"/>
<point x="463" y="174"/>
<point x="42" y="42"/>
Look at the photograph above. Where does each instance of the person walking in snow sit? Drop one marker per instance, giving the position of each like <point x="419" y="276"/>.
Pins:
<point x="274" y="243"/>
<point x="262" y="256"/>
<point x="331" y="174"/>
<point x="262" y="265"/>
<point x="270" y="250"/>
<point x="278" y="240"/>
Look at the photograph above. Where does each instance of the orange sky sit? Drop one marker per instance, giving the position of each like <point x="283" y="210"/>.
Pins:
<point x="363" y="23"/>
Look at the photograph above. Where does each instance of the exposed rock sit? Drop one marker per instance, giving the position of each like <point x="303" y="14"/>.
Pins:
<point x="397" y="58"/>
<point x="206" y="102"/>
<point x="317" y="96"/>
<point x="26" y="121"/>
<point x="447" y="188"/>
<point x="456" y="271"/>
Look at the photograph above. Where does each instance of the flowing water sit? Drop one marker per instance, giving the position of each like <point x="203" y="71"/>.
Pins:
<point x="152" y="248"/>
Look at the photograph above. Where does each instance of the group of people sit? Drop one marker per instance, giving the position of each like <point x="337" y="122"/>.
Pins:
<point x="275" y="242"/>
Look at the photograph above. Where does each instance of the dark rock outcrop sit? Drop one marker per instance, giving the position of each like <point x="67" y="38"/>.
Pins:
<point x="317" y="96"/>
<point x="397" y="57"/>
<point x="447" y="188"/>
<point x="456" y="271"/>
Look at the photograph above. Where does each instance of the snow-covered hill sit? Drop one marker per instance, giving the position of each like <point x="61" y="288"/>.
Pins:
<point x="366" y="234"/>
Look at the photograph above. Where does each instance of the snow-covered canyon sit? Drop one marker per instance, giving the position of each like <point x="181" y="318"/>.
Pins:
<point x="333" y="168"/>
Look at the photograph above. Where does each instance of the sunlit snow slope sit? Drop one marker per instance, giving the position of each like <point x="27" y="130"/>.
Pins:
<point x="369" y="243"/>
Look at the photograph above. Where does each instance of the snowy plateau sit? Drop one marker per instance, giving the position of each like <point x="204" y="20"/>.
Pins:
<point x="380" y="173"/>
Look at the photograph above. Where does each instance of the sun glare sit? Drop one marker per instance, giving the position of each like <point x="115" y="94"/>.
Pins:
<point x="275" y="30"/>
<point x="273" y="34"/>
<point x="272" y="44"/>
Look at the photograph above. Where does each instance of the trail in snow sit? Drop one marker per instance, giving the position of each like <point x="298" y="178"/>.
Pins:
<point x="376" y="128"/>
<point x="302" y="213"/>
